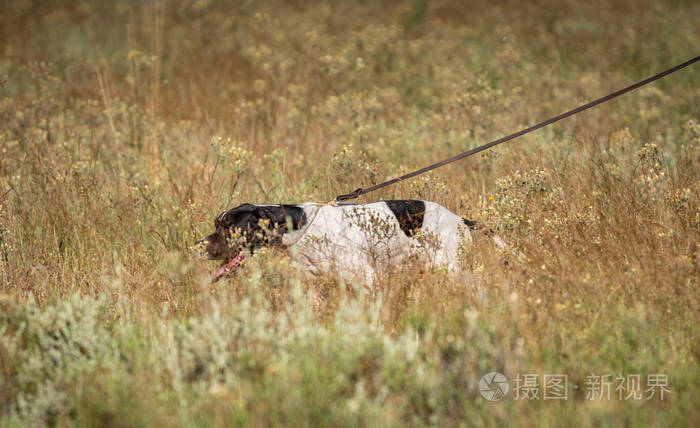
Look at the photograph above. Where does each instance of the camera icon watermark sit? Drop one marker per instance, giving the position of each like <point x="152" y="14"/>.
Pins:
<point x="494" y="386"/>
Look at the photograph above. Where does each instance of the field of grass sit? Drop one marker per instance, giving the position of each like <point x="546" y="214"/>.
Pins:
<point x="126" y="126"/>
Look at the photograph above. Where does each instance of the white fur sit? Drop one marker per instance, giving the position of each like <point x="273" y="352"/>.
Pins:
<point x="359" y="242"/>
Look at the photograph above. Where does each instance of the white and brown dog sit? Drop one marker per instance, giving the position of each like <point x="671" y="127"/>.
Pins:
<point x="356" y="242"/>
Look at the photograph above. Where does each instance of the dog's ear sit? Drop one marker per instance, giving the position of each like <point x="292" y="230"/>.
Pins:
<point x="274" y="214"/>
<point x="281" y="217"/>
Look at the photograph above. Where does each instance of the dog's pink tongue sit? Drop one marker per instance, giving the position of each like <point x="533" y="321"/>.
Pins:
<point x="221" y="272"/>
<point x="231" y="265"/>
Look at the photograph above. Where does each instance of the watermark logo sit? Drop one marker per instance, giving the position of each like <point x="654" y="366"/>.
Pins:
<point x="493" y="386"/>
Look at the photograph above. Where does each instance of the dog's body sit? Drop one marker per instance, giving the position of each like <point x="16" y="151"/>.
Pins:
<point x="359" y="241"/>
<point x="354" y="241"/>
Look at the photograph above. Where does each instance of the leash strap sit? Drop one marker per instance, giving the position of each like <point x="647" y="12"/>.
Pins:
<point x="362" y="191"/>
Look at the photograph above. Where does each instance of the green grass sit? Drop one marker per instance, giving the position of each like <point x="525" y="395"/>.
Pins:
<point x="125" y="127"/>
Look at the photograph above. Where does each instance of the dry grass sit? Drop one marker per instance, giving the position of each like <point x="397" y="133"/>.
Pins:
<point x="125" y="127"/>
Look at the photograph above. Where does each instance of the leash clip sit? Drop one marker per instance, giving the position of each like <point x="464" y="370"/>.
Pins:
<point x="348" y="196"/>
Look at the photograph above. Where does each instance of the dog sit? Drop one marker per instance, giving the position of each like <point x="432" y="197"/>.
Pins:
<point x="355" y="241"/>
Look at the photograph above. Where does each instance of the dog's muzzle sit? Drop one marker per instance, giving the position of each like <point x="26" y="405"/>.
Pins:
<point x="216" y="250"/>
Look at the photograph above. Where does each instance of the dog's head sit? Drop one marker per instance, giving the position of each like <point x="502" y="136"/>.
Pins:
<point x="249" y="227"/>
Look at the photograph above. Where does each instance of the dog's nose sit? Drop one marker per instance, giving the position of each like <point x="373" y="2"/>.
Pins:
<point x="204" y="240"/>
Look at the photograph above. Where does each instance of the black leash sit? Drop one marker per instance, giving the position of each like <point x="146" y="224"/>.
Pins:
<point x="362" y="191"/>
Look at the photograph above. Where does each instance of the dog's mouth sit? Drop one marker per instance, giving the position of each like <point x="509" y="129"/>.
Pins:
<point x="229" y="266"/>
